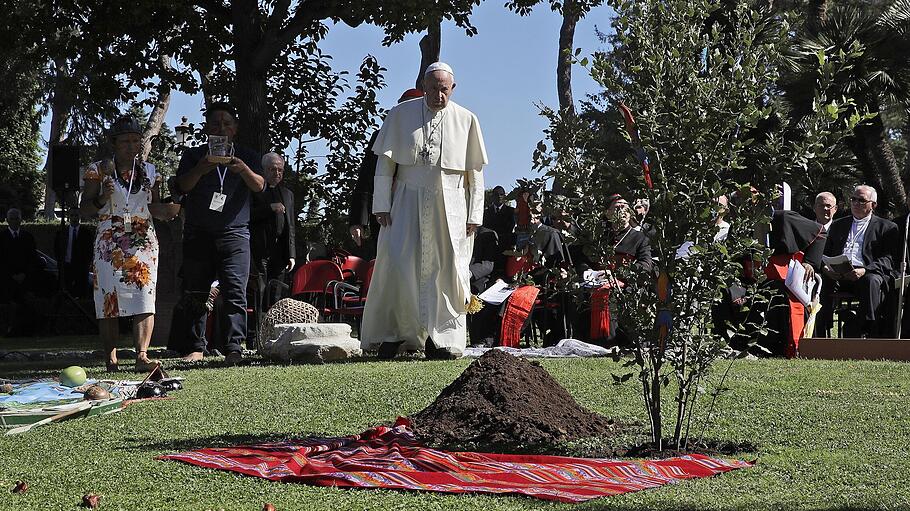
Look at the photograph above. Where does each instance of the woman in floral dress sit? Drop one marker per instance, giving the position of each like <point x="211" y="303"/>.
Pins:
<point x="126" y="247"/>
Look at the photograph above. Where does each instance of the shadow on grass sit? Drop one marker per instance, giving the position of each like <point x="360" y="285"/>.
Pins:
<point x="215" y="441"/>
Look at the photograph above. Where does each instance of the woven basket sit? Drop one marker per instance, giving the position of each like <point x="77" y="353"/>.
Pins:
<point x="286" y="310"/>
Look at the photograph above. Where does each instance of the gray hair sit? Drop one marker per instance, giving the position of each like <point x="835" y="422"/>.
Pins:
<point x="873" y="195"/>
<point x="271" y="156"/>
<point x="825" y="195"/>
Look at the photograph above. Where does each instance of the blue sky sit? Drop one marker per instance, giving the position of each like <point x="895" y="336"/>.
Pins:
<point x="501" y="73"/>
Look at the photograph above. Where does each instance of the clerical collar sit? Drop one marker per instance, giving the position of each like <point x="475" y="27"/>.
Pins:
<point x="861" y="221"/>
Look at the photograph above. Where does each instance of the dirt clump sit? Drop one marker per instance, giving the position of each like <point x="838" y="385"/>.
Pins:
<point x="502" y="400"/>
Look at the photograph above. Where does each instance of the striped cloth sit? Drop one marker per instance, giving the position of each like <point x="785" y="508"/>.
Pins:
<point x="386" y="457"/>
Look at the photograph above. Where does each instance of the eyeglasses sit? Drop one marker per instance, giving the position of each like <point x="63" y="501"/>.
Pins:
<point x="859" y="200"/>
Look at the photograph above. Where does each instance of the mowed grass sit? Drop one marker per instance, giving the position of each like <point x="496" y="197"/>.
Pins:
<point x="829" y="435"/>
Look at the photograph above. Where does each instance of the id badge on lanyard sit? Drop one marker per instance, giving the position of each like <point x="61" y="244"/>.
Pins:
<point x="219" y="198"/>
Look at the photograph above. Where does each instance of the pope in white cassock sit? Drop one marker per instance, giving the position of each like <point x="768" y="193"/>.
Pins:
<point x="428" y="198"/>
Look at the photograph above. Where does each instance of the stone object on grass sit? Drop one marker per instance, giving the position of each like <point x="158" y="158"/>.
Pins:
<point x="314" y="343"/>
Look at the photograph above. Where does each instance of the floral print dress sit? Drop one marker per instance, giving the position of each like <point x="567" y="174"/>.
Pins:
<point x="126" y="248"/>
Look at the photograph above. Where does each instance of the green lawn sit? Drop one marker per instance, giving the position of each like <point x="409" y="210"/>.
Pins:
<point x="830" y="435"/>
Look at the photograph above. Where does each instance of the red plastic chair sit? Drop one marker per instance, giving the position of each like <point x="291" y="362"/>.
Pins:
<point x="356" y="266"/>
<point x="314" y="281"/>
<point x="351" y="300"/>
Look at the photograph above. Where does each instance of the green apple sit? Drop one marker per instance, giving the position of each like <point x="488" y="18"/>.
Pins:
<point x="73" y="376"/>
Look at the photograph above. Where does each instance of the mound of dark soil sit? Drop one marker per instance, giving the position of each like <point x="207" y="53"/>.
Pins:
<point x="501" y="400"/>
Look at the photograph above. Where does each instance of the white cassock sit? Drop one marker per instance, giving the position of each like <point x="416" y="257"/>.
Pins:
<point x="429" y="176"/>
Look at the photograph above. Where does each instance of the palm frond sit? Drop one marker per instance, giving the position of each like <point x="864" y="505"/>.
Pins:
<point x="897" y="17"/>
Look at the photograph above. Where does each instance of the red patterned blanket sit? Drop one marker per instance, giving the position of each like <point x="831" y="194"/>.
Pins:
<point x="386" y="457"/>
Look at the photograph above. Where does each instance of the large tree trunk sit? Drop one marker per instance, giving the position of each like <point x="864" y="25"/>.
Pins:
<point x="857" y="145"/>
<point x="892" y="195"/>
<point x="430" y="46"/>
<point x="61" y="104"/>
<point x="570" y="17"/>
<point x="816" y="15"/>
<point x="156" y="117"/>
<point x="564" y="60"/>
<point x="251" y="62"/>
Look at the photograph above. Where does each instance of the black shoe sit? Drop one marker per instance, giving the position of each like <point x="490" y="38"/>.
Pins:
<point x="388" y="350"/>
<point x="434" y="353"/>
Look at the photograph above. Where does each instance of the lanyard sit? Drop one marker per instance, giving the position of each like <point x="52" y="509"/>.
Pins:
<point x="129" y="190"/>
<point x="222" y="175"/>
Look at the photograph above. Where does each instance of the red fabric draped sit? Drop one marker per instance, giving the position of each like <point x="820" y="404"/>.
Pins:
<point x="386" y="457"/>
<point x="518" y="308"/>
<point x="777" y="270"/>
<point x="600" y="313"/>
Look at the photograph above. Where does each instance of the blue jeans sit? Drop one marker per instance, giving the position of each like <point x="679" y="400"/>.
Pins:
<point x="225" y="257"/>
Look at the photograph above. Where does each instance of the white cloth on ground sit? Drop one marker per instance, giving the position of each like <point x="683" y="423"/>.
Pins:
<point x="566" y="348"/>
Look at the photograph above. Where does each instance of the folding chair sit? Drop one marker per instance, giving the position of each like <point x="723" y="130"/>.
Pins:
<point x="314" y="282"/>
<point x="350" y="300"/>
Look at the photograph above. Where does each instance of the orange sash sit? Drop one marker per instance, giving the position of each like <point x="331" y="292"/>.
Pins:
<point x="777" y="270"/>
<point x="518" y="308"/>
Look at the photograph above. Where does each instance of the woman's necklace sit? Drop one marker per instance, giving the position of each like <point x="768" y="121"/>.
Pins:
<point x="127" y="217"/>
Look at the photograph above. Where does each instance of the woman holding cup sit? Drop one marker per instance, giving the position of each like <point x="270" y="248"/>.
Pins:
<point x="121" y="192"/>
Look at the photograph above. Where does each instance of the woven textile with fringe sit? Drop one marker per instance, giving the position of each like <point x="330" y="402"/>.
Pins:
<point x="385" y="457"/>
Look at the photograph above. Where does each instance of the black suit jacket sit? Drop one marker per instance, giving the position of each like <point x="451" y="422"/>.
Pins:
<point x="83" y="246"/>
<point x="17" y="255"/>
<point x="485" y="245"/>
<point x="360" y="211"/>
<point x="266" y="242"/>
<point x="503" y="222"/>
<point x="879" y="244"/>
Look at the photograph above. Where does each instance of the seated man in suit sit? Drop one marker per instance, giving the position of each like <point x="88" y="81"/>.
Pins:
<point x="869" y="242"/>
<point x="19" y="272"/>
<point x="500" y="217"/>
<point x="483" y="325"/>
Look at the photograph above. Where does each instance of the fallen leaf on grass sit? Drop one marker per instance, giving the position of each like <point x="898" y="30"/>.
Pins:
<point x="268" y="506"/>
<point x="91" y="501"/>
<point x="21" y="487"/>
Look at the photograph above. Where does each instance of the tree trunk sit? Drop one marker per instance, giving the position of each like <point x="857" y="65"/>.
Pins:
<point x="250" y="91"/>
<point x="905" y="135"/>
<point x="61" y="104"/>
<point x="570" y="16"/>
<point x="857" y="145"/>
<point x="430" y="46"/>
<point x="564" y="60"/>
<point x="892" y="195"/>
<point x="655" y="411"/>
<point x="816" y="15"/>
<point x="156" y="117"/>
